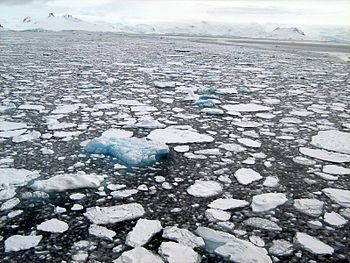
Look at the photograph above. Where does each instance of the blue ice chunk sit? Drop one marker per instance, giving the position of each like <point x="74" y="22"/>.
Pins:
<point x="207" y="97"/>
<point x="128" y="151"/>
<point x="211" y="78"/>
<point x="206" y="90"/>
<point x="204" y="103"/>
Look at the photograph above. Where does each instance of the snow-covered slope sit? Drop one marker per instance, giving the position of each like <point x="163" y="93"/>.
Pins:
<point x="287" y="33"/>
<point x="59" y="23"/>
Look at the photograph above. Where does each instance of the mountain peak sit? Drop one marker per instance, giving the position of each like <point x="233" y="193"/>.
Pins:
<point x="51" y="15"/>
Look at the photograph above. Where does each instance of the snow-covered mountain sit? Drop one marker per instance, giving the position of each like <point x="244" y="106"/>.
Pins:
<point x="204" y="28"/>
<point x="287" y="33"/>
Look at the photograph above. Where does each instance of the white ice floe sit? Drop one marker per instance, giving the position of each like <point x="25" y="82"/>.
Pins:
<point x="128" y="151"/>
<point x="10" y="126"/>
<point x="10" y="134"/>
<point x="180" y="136"/>
<point x="205" y="188"/>
<point x="334" y="219"/>
<point x="313" y="244"/>
<point x="340" y="196"/>
<point x="65" y="109"/>
<point x="246" y="176"/>
<point x="121" y="194"/>
<point x="11" y="177"/>
<point x="117" y="133"/>
<point x="228" y="203"/>
<point x="183" y="236"/>
<point x="262" y="223"/>
<point x="33" y="135"/>
<point x="175" y="253"/>
<point x="64" y="182"/>
<point x="182" y="148"/>
<point x="210" y="111"/>
<point x="9" y="204"/>
<point x="101" y="232"/>
<point x="138" y="255"/>
<point x="281" y="247"/>
<point x="325" y="155"/>
<point x="16" y="243"/>
<point x="336" y="169"/>
<point x="215" y="215"/>
<point x="311" y="207"/>
<point x="53" y="226"/>
<point x="233" y="147"/>
<point x="232" y="248"/>
<point x="114" y="214"/>
<point x="332" y="140"/>
<point x="147" y="122"/>
<point x="7" y="193"/>
<point x="269" y="201"/>
<point x="271" y="181"/>
<point x="249" y="142"/>
<point x="142" y="232"/>
<point x="31" y="107"/>
<point x="246" y="124"/>
<point x="250" y="107"/>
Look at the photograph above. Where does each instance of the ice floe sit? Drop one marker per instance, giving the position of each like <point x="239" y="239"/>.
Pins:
<point x="246" y="176"/>
<point x="101" y="232"/>
<point x="228" y="204"/>
<point x="17" y="242"/>
<point x="114" y="214"/>
<point x="332" y="140"/>
<point x="205" y="189"/>
<point x="325" y="155"/>
<point x="312" y="207"/>
<point x="313" y="244"/>
<point x="64" y="182"/>
<point x="138" y="255"/>
<point x="11" y="177"/>
<point x="340" y="196"/>
<point x="142" y="232"/>
<point x="269" y="201"/>
<point x="183" y="236"/>
<point x="174" y="135"/>
<point x="53" y="226"/>
<point x="175" y="253"/>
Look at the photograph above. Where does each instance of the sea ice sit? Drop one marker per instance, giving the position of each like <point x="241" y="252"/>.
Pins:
<point x="215" y="215"/>
<point x="325" y="155"/>
<point x="64" y="182"/>
<point x="9" y="126"/>
<point x="183" y="236"/>
<point x="138" y="255"/>
<point x="16" y="243"/>
<point x="205" y="189"/>
<point x="262" y="223"/>
<point x="101" y="232"/>
<point x="228" y="204"/>
<point x="249" y="142"/>
<point x="332" y="140"/>
<point x="312" y="207"/>
<point x="53" y="226"/>
<point x="11" y="177"/>
<point x="336" y="169"/>
<point x="129" y="151"/>
<point x="175" y="253"/>
<point x="334" y="219"/>
<point x="250" y="107"/>
<point x="175" y="135"/>
<point x="142" y="232"/>
<point x="312" y="244"/>
<point x="281" y="247"/>
<point x="246" y="176"/>
<point x="269" y="201"/>
<point x="114" y="214"/>
<point x="340" y="196"/>
<point x="228" y="246"/>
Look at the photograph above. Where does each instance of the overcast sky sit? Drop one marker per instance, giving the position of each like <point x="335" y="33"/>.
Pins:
<point x="289" y="12"/>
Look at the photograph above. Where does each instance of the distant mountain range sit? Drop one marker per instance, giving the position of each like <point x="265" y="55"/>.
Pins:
<point x="254" y="30"/>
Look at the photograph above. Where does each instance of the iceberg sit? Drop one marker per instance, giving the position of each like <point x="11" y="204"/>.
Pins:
<point x="129" y="151"/>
